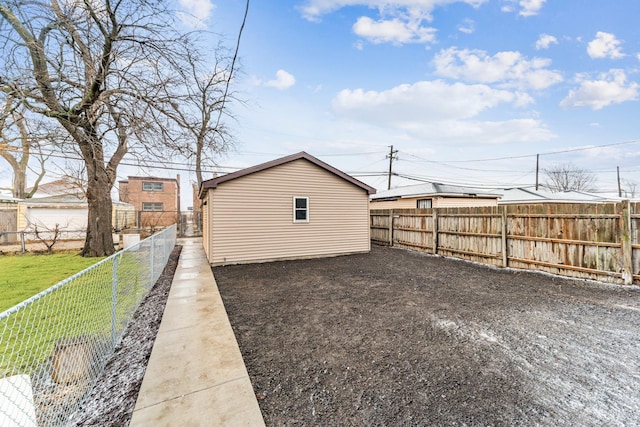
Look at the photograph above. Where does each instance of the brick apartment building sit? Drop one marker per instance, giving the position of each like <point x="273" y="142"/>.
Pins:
<point x="156" y="200"/>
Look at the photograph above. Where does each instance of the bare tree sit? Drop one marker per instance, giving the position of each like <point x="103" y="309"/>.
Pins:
<point x="202" y="135"/>
<point x="17" y="142"/>
<point x="630" y="188"/>
<point x="49" y="237"/>
<point x="567" y="177"/>
<point x="75" y="174"/>
<point x="204" y="103"/>
<point x="98" y="68"/>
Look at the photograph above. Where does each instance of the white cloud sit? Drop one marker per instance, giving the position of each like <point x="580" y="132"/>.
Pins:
<point x="314" y="9"/>
<point x="525" y="7"/>
<point x="508" y="68"/>
<point x="437" y="110"/>
<point x="530" y="7"/>
<point x="424" y="101"/>
<point x="610" y="88"/>
<point x="507" y="8"/>
<point x="483" y="132"/>
<point x="605" y="45"/>
<point x="398" y="21"/>
<point x="393" y="31"/>
<point x="467" y="26"/>
<point x="195" y="12"/>
<point x="545" y="40"/>
<point x="283" y="80"/>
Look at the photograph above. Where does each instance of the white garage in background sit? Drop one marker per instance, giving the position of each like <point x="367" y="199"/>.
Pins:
<point x="67" y="211"/>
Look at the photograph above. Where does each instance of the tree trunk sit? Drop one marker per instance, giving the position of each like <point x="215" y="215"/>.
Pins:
<point x="99" y="240"/>
<point x="19" y="183"/>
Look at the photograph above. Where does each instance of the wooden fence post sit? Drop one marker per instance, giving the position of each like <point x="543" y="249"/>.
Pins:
<point x="627" y="249"/>
<point x="505" y="255"/>
<point x="435" y="231"/>
<point x="391" y="227"/>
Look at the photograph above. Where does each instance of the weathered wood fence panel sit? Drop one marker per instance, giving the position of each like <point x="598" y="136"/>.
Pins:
<point x="8" y="225"/>
<point x="590" y="241"/>
<point x="381" y="221"/>
<point x="474" y="234"/>
<point x="634" y="237"/>
<point x="413" y="229"/>
<point x="578" y="240"/>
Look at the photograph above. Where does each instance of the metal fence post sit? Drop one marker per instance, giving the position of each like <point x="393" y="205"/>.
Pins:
<point x="114" y="301"/>
<point x="152" y="250"/>
<point x="22" y="242"/>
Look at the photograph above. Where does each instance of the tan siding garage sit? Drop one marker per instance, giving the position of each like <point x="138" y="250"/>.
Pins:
<point x="251" y="217"/>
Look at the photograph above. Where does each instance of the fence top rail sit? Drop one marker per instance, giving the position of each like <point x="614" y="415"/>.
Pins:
<point x="62" y="283"/>
<point x="478" y="215"/>
<point x="577" y="215"/>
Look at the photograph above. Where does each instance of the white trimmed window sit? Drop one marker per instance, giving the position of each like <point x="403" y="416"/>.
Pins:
<point x="152" y="186"/>
<point x="152" y="206"/>
<point x="300" y="209"/>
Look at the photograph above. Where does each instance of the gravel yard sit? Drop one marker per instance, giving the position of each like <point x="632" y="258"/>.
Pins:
<point x="401" y="338"/>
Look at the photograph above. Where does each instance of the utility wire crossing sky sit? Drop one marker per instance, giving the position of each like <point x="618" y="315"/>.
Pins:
<point x="467" y="91"/>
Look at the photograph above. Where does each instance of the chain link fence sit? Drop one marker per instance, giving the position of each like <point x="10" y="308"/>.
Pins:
<point x="54" y="345"/>
<point x="30" y="236"/>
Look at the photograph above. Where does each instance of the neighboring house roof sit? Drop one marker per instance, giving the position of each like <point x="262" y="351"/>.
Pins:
<point x="57" y="188"/>
<point x="5" y="198"/>
<point x="214" y="182"/>
<point x="60" y="198"/>
<point x="66" y="200"/>
<point x="505" y="195"/>
<point x="147" y="178"/>
<point x="530" y="195"/>
<point x="434" y="189"/>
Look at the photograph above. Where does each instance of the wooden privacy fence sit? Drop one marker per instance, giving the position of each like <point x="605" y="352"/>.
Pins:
<point x="588" y="241"/>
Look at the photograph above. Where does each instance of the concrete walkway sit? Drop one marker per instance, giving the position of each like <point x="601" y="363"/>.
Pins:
<point x="196" y="375"/>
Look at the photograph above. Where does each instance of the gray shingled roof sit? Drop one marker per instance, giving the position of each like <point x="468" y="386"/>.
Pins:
<point x="542" y="195"/>
<point x="434" y="189"/>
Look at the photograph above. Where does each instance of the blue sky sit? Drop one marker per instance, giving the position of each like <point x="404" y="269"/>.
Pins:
<point x="449" y="83"/>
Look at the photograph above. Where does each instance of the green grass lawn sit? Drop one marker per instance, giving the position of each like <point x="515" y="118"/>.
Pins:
<point x="23" y="276"/>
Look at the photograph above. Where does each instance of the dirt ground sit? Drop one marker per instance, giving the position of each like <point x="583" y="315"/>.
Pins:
<point x="401" y="338"/>
<point x="114" y="396"/>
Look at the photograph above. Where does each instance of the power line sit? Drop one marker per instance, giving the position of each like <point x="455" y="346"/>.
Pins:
<point x="549" y="153"/>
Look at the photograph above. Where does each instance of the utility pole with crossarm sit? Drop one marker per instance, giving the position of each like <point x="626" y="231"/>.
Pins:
<point x="391" y="156"/>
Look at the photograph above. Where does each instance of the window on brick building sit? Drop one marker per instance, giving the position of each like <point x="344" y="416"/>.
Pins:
<point x="152" y="186"/>
<point x="152" y="206"/>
